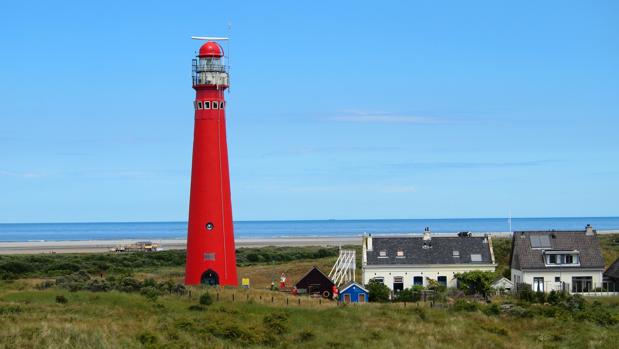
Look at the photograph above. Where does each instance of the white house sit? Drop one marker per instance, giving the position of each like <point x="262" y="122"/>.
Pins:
<point x="557" y="260"/>
<point x="404" y="261"/>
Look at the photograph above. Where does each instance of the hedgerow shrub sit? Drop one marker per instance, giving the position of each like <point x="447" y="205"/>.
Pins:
<point x="379" y="292"/>
<point x="206" y="299"/>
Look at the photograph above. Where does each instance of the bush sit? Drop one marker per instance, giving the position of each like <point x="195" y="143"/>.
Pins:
<point x="379" y="292"/>
<point x="60" y="299"/>
<point x="409" y="295"/>
<point x="525" y="293"/>
<point x="464" y="305"/>
<point x="206" y="299"/>
<point x="276" y="322"/>
<point x="492" y="309"/>
<point x="476" y="282"/>
<point x="150" y="292"/>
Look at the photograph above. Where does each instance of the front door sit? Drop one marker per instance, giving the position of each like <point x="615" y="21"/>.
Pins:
<point x="210" y="278"/>
<point x="361" y="297"/>
<point x="346" y="298"/>
<point x="538" y="284"/>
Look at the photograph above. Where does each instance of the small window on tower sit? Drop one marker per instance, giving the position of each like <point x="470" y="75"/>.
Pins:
<point x="215" y="105"/>
<point x="199" y="105"/>
<point x="221" y="105"/>
<point x="207" y="105"/>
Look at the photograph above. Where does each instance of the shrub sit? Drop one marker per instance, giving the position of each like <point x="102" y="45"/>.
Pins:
<point x="476" y="282"/>
<point x="519" y="311"/>
<point x="379" y="292"/>
<point x="60" y="299"/>
<point x="525" y="293"/>
<point x="150" y="292"/>
<point x="305" y="336"/>
<point x="464" y="305"/>
<point x="206" y="299"/>
<point x="492" y="309"/>
<point x="276" y="322"/>
<point x="540" y="297"/>
<point x="98" y="285"/>
<point x="408" y="295"/>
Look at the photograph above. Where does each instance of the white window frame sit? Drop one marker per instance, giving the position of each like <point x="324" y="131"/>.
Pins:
<point x="209" y="105"/>
<point x="382" y="254"/>
<point x="214" y="105"/>
<point x="400" y="253"/>
<point x="199" y="105"/>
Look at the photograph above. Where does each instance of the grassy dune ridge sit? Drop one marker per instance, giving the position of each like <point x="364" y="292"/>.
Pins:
<point x="31" y="317"/>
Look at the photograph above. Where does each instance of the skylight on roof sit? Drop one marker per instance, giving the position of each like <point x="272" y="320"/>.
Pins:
<point x="540" y="241"/>
<point x="475" y="258"/>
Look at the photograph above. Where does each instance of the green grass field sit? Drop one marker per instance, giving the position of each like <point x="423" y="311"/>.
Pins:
<point x="54" y="317"/>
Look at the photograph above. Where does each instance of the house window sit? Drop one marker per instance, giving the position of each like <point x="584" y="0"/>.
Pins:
<point x="569" y="259"/>
<point x="456" y="254"/>
<point x="380" y="280"/>
<point x="538" y="284"/>
<point x="552" y="259"/>
<point x="557" y="279"/>
<point x="400" y="253"/>
<point x="475" y="258"/>
<point x="199" y="105"/>
<point x="442" y="280"/>
<point x="418" y="281"/>
<point x="207" y="105"/>
<point x="361" y="297"/>
<point x="215" y="105"/>
<point x="382" y="254"/>
<point x="582" y="283"/>
<point x="398" y="283"/>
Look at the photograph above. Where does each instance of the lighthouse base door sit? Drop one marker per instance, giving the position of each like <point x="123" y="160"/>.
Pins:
<point x="209" y="278"/>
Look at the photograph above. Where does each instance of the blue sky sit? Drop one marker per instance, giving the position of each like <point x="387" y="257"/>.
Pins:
<point x="418" y="109"/>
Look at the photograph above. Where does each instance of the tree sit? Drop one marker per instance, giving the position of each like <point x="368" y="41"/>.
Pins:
<point x="476" y="282"/>
<point x="379" y="292"/>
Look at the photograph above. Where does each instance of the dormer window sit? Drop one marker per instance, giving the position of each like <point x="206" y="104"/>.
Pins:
<point x="400" y="253"/>
<point x="456" y="254"/>
<point x="561" y="258"/>
<point x="382" y="254"/>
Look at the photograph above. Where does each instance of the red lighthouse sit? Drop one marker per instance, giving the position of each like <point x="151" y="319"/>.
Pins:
<point x="211" y="257"/>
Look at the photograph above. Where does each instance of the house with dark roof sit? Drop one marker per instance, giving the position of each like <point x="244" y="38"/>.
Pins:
<point x="557" y="260"/>
<point x="404" y="261"/>
<point x="612" y="276"/>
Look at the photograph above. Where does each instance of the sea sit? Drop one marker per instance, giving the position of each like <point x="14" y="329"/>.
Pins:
<point x="20" y="232"/>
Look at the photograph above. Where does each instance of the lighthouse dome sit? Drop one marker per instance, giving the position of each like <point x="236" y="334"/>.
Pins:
<point x="211" y="49"/>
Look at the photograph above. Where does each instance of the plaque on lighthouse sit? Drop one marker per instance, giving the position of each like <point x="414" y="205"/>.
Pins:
<point x="211" y="257"/>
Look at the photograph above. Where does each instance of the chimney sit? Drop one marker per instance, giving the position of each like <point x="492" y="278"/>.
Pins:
<point x="369" y="242"/>
<point x="426" y="234"/>
<point x="589" y="230"/>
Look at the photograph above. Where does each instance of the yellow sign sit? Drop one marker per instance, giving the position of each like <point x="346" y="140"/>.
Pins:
<point x="245" y="282"/>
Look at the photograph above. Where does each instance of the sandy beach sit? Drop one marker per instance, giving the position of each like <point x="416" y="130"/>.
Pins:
<point x="88" y="246"/>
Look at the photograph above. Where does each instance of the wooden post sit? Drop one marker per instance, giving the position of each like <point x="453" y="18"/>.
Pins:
<point x="217" y="296"/>
<point x="299" y="301"/>
<point x="319" y="300"/>
<point x="233" y="297"/>
<point x="271" y="299"/>
<point x="247" y="297"/>
<point x="286" y="300"/>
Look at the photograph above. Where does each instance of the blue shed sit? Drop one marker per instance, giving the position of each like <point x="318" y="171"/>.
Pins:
<point x="352" y="292"/>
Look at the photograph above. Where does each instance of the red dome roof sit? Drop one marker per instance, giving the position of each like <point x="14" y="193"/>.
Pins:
<point x="211" y="49"/>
